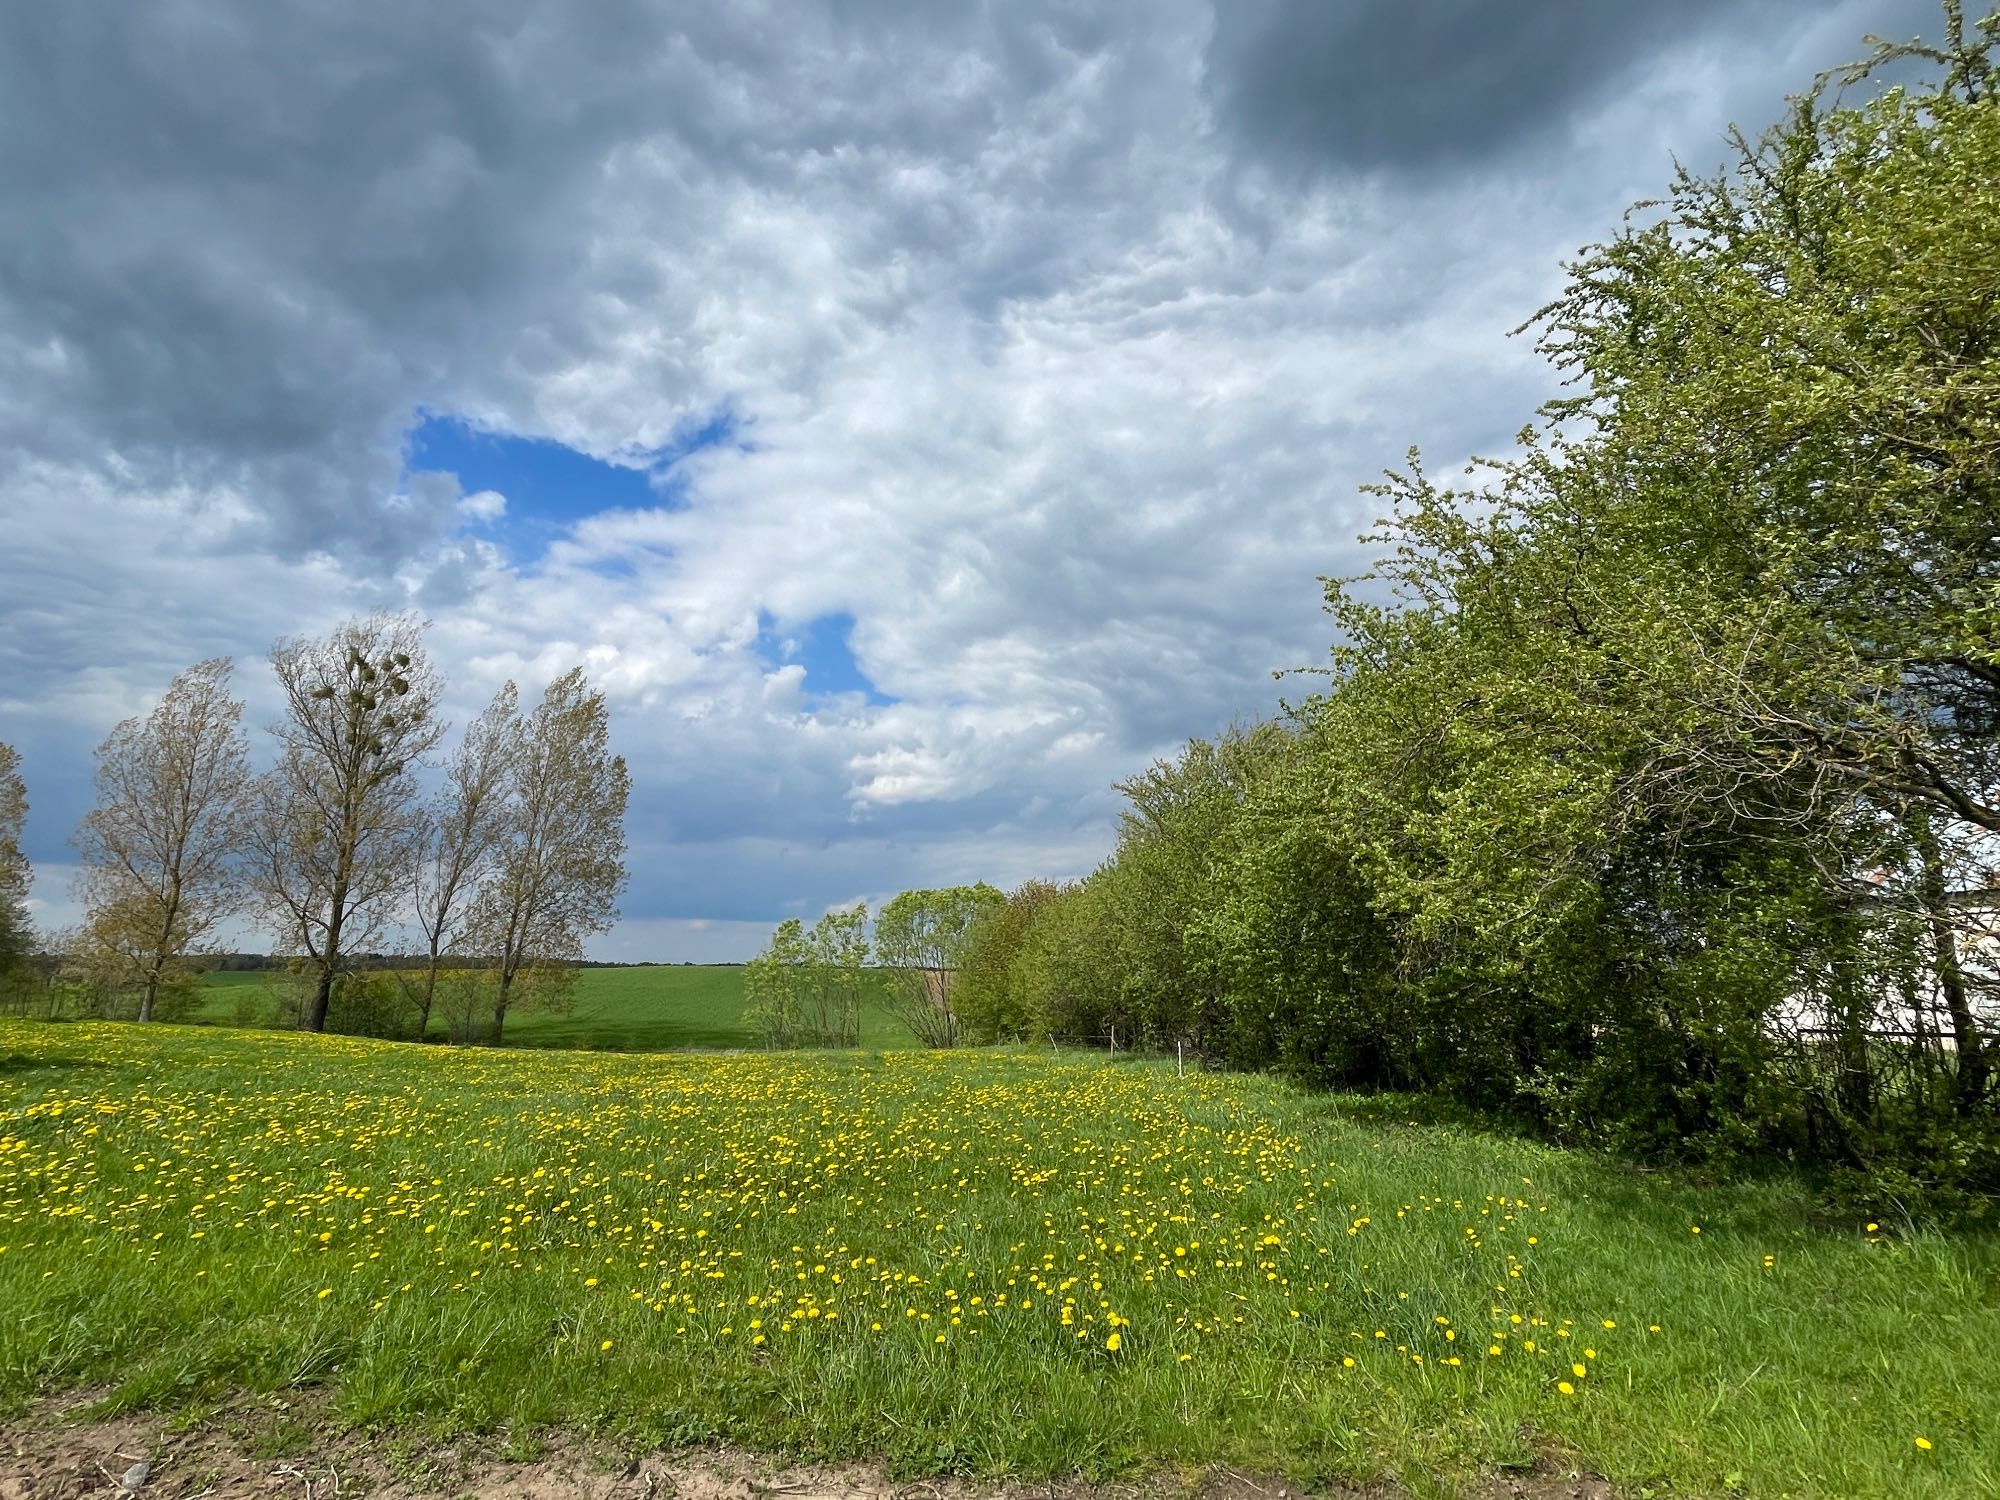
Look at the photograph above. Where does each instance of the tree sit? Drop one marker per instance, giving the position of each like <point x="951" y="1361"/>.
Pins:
<point x="16" y="933"/>
<point x="1663" y="720"/>
<point x="458" y="837"/>
<point x="331" y="825"/>
<point x="921" y="938"/>
<point x="991" y="999"/>
<point x="835" y="975"/>
<point x="559" y="862"/>
<point x="1180" y="819"/>
<point x="804" y="989"/>
<point x="159" y="846"/>
<point x="1070" y="968"/>
<point x="773" y="990"/>
<point x="1655" y="766"/>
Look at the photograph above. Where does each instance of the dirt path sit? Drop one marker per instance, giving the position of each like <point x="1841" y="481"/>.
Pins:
<point x="274" y="1455"/>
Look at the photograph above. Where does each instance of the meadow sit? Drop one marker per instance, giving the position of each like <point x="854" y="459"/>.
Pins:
<point x="983" y="1263"/>
<point x="638" y="1009"/>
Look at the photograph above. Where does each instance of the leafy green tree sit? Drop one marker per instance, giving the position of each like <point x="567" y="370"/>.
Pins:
<point x="921" y="938"/>
<point x="991" y="998"/>
<point x="1182" y="822"/>
<point x="1647" y="709"/>
<point x="1070" y="965"/>
<point x="836" y="975"/>
<point x="1652" y="763"/>
<point x="774" y="989"/>
<point x="805" y="988"/>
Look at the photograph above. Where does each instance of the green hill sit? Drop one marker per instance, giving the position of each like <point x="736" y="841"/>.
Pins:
<point x="617" y="1010"/>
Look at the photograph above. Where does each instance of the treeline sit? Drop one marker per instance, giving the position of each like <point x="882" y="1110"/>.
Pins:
<point x="806" y="988"/>
<point x="514" y="855"/>
<point x="253" y="963"/>
<point x="1650" y="793"/>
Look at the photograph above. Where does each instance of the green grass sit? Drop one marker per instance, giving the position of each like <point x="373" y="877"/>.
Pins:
<point x="932" y="1249"/>
<point x="650" y="1009"/>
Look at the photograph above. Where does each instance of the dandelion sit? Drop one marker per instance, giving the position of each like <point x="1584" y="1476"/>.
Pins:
<point x="607" y="1344"/>
<point x="1924" y="1443"/>
<point x="1565" y="1387"/>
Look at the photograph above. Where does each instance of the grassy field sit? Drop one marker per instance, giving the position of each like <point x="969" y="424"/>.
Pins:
<point x="617" y="1010"/>
<point x="973" y="1262"/>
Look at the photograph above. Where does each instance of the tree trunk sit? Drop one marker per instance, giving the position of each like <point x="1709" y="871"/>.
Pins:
<point x="322" y="997"/>
<point x="500" y="1004"/>
<point x="1973" y="1068"/>
<point x="430" y="995"/>
<point x="329" y="955"/>
<point x="160" y="952"/>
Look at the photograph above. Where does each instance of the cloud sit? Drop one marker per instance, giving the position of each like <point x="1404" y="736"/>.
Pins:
<point x="1364" y="84"/>
<point x="486" y="505"/>
<point x="1018" y="363"/>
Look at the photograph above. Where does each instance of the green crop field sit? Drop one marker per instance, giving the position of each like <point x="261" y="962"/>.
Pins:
<point x="639" y="1009"/>
<point x="967" y="1262"/>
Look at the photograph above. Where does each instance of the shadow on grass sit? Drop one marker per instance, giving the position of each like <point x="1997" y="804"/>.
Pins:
<point x="21" y="1065"/>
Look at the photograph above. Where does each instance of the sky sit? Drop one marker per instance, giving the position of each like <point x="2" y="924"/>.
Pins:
<point x="915" y="418"/>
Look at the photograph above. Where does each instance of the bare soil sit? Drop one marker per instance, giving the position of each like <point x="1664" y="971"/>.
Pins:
<point x="275" y="1452"/>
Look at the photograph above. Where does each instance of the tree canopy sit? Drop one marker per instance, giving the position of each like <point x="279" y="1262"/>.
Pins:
<point x="1652" y="783"/>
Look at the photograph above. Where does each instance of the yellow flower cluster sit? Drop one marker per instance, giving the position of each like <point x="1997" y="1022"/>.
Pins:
<point x="765" y="1202"/>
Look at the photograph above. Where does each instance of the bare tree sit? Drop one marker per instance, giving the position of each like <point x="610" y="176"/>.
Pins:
<point x="16" y="935"/>
<point x="159" y="846"/>
<point x="458" y="836"/>
<point x="561" y="858"/>
<point x="330" y="833"/>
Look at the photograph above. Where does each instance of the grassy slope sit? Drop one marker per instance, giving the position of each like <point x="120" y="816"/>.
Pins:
<point x="874" y="1252"/>
<point x="617" y="1010"/>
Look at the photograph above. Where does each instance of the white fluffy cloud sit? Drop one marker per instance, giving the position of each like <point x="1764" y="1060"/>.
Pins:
<point x="1055" y="341"/>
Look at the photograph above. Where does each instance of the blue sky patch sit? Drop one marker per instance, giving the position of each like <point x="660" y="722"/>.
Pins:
<point x="821" y="646"/>
<point x="550" y="487"/>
